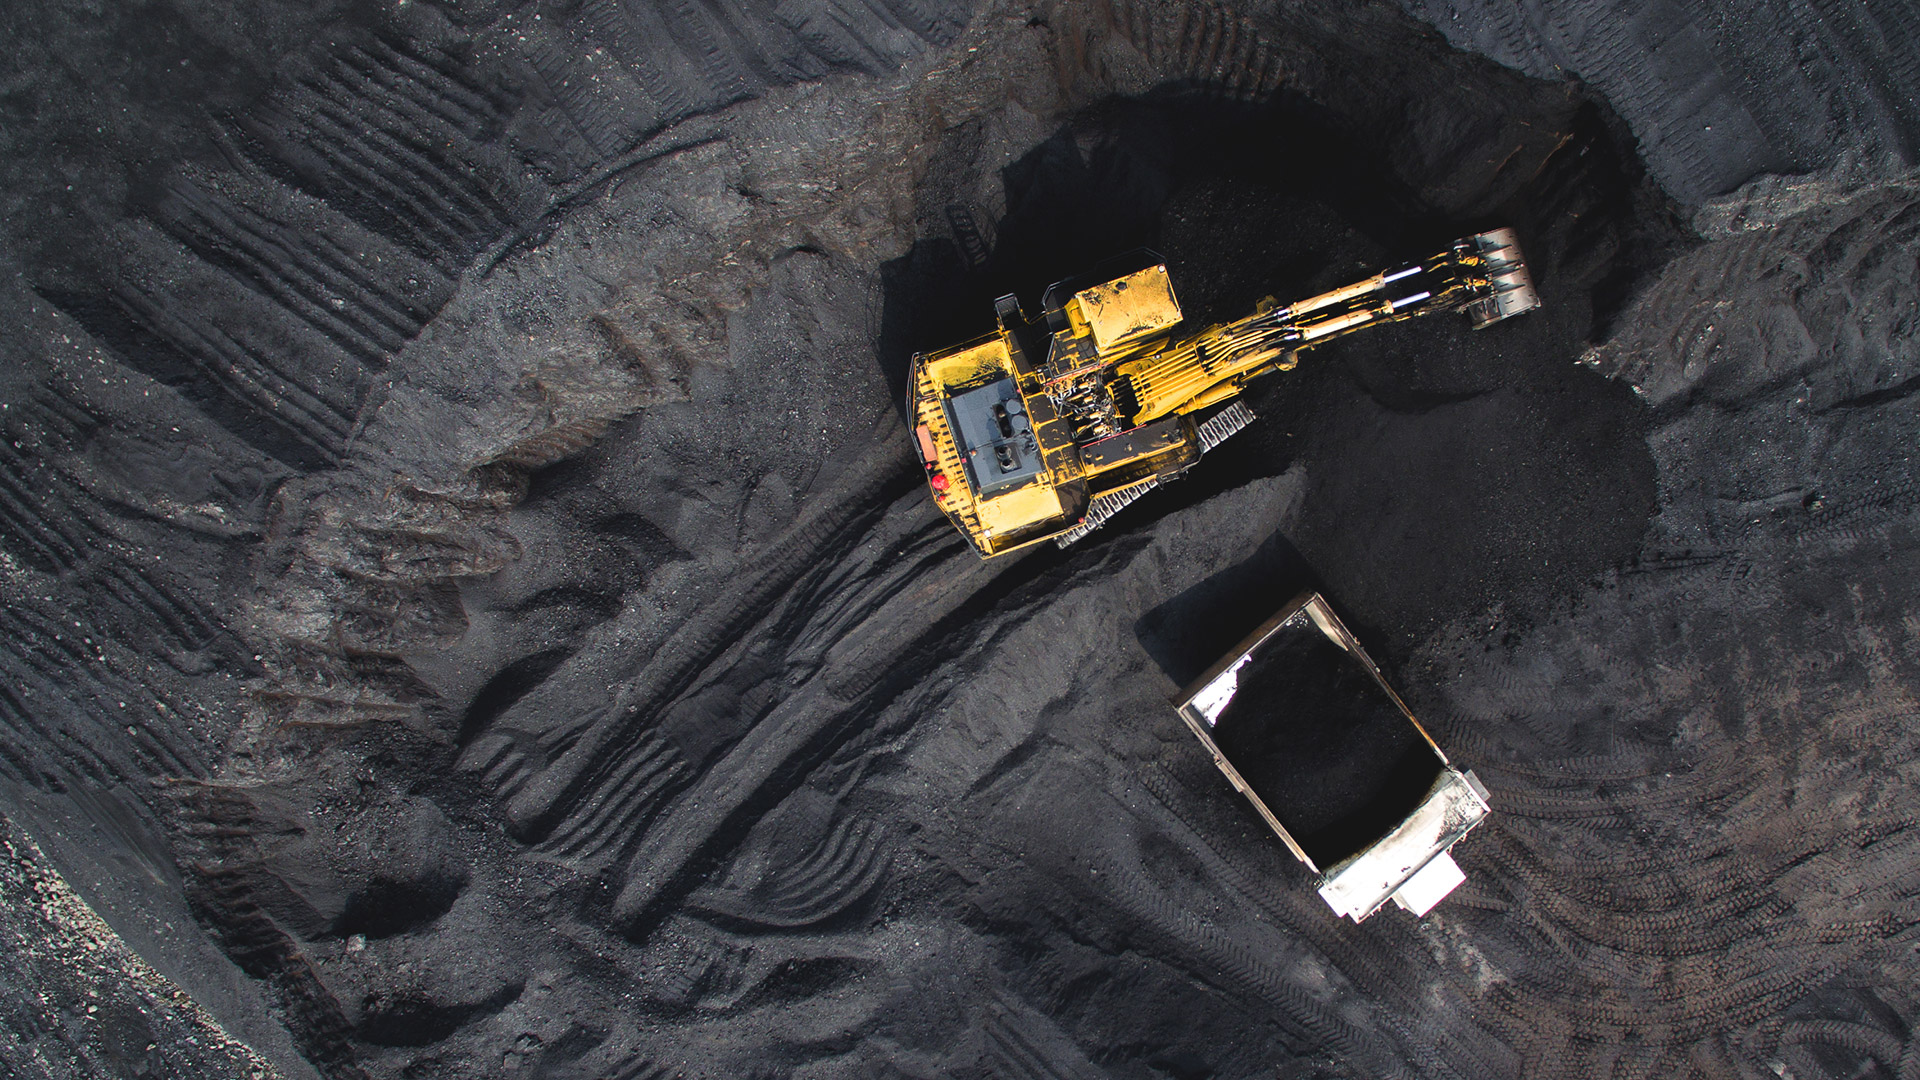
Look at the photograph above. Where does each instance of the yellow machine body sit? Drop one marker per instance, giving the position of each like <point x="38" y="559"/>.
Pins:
<point x="1046" y="428"/>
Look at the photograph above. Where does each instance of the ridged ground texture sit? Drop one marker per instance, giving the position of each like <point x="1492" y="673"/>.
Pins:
<point x="472" y="611"/>
<point x="1721" y="92"/>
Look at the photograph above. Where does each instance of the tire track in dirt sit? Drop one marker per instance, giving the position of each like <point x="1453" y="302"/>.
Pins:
<point x="544" y="790"/>
<point x="802" y="888"/>
<point x="1692" y="910"/>
<point x="905" y="605"/>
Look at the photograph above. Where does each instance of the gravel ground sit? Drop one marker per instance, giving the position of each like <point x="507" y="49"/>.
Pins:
<point x="472" y="610"/>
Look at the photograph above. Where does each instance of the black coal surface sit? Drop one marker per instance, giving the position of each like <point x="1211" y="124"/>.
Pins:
<point x="1323" y="746"/>
<point x="471" y="609"/>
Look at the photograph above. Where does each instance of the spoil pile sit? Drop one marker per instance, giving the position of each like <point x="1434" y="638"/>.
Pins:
<point x="472" y="610"/>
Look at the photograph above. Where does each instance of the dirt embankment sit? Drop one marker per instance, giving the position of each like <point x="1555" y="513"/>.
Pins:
<point x="460" y="544"/>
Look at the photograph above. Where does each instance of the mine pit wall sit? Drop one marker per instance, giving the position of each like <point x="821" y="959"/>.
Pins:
<point x="82" y="1000"/>
<point x="1723" y="92"/>
<point x="272" y="421"/>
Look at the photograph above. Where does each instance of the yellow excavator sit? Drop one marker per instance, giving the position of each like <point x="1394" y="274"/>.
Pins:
<point x="1046" y="428"/>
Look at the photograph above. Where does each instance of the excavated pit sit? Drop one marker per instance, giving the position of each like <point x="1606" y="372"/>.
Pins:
<point x="1286" y="198"/>
<point x="1542" y="466"/>
<point x="472" y="610"/>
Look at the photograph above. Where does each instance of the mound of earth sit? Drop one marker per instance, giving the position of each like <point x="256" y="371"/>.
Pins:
<point x="472" y="608"/>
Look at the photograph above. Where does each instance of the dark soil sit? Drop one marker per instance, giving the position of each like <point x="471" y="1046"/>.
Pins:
<point x="472" y="611"/>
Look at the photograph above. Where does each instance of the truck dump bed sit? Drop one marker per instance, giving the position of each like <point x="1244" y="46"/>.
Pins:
<point x="1300" y="720"/>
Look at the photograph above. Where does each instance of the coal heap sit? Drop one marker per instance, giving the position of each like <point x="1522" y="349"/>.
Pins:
<point x="472" y="608"/>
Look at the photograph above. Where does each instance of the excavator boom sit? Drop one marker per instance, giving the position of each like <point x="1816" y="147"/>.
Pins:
<point x="1046" y="428"/>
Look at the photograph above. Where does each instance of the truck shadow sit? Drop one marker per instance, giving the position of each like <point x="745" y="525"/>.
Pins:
<point x="1185" y="635"/>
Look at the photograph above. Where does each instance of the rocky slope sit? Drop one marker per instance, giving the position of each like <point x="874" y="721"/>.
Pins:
<point x="472" y="611"/>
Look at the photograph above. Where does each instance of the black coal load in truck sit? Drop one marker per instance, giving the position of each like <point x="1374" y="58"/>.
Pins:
<point x="1319" y="741"/>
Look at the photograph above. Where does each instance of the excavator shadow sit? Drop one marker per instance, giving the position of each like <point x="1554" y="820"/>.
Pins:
<point x="1100" y="186"/>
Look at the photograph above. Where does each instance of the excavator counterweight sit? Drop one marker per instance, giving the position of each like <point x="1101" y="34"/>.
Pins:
<point x="1046" y="428"/>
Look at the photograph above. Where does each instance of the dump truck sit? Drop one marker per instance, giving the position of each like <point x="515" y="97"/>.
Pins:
<point x="1302" y="722"/>
<point x="1045" y="428"/>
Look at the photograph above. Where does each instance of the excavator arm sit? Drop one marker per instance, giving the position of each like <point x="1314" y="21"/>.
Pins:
<point x="1026" y="439"/>
<point x="1483" y="275"/>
